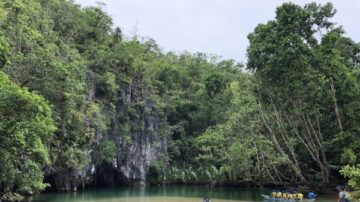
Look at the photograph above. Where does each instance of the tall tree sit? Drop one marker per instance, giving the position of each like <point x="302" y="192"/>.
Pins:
<point x="302" y="80"/>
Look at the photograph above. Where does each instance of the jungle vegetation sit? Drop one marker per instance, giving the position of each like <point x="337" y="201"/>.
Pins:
<point x="291" y="114"/>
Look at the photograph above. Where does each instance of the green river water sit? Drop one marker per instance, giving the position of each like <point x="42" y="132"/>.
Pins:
<point x="164" y="194"/>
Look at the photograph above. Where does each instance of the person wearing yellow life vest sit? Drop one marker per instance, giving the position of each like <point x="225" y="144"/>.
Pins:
<point x="291" y="196"/>
<point x="300" y="196"/>
<point x="278" y="194"/>
<point x="285" y="195"/>
<point x="273" y="194"/>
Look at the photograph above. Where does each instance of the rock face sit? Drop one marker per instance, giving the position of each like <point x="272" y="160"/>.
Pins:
<point x="142" y="143"/>
<point x="70" y="180"/>
<point x="134" y="157"/>
<point x="135" y="129"/>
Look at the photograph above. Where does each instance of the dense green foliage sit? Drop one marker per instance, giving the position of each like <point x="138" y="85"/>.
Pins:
<point x="353" y="173"/>
<point x="293" y="116"/>
<point x="309" y="85"/>
<point x="26" y="126"/>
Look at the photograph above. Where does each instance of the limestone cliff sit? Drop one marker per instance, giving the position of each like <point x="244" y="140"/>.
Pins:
<point x="135" y="129"/>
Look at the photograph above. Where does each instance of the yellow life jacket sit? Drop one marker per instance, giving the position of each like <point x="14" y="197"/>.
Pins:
<point x="273" y="194"/>
<point x="291" y="196"/>
<point x="278" y="195"/>
<point x="301" y="196"/>
<point x="284" y="196"/>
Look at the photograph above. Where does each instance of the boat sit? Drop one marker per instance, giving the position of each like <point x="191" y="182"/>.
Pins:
<point x="269" y="198"/>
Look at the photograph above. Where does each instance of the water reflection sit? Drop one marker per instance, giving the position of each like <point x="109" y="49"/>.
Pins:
<point x="162" y="194"/>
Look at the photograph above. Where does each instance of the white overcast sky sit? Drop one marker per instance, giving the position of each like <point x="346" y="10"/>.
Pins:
<point x="212" y="26"/>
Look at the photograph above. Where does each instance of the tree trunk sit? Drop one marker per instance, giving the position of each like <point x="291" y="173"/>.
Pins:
<point x="277" y="145"/>
<point x="336" y="109"/>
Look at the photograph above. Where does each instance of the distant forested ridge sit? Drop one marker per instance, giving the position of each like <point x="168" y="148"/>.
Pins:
<point x="83" y="105"/>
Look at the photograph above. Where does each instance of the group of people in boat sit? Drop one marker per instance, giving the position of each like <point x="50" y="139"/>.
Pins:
<point x="344" y="195"/>
<point x="294" y="195"/>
